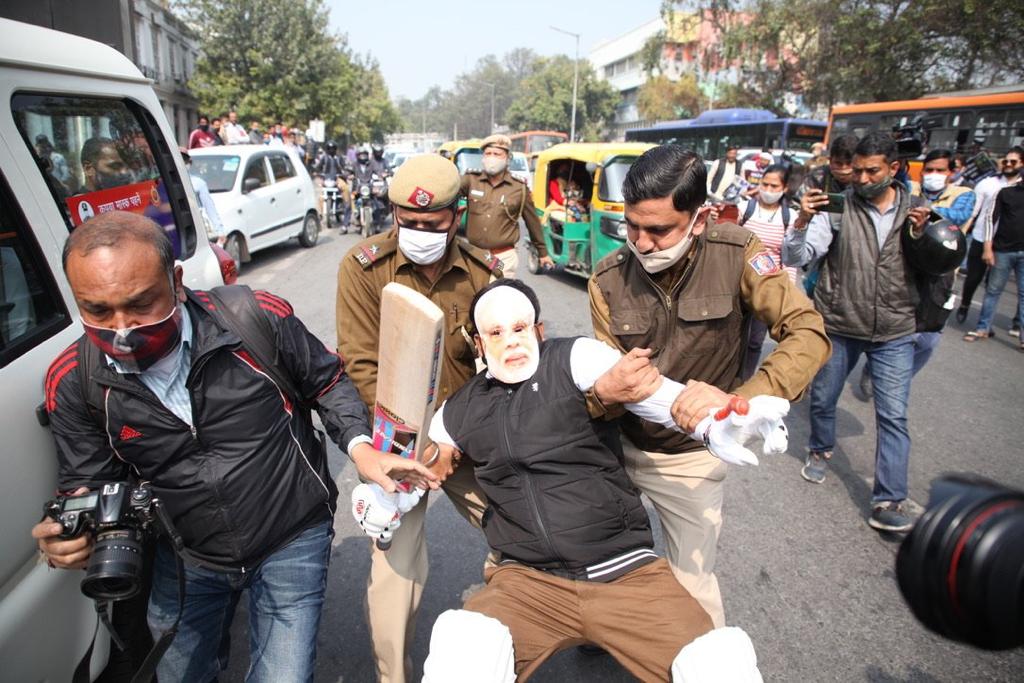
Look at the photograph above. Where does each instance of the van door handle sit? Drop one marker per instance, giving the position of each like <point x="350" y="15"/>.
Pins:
<point x="273" y="199"/>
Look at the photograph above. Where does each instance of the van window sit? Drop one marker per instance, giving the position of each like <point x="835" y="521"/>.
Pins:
<point x="281" y="166"/>
<point x="256" y="169"/>
<point x="31" y="307"/>
<point x="97" y="155"/>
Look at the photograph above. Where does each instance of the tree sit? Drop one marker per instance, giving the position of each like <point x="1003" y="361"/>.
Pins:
<point x="275" y="60"/>
<point x="467" y="106"/>
<point x="866" y="50"/>
<point x="545" y="99"/>
<point x="662" y="99"/>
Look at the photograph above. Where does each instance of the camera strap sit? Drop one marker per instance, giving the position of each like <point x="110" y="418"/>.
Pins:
<point x="148" y="667"/>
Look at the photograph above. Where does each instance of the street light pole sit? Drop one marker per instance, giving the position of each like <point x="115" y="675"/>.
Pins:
<point x="492" y="105"/>
<point x="575" y="80"/>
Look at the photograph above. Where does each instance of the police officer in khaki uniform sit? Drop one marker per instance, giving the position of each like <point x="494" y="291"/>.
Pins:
<point x="420" y="252"/>
<point x="684" y="288"/>
<point x="496" y="202"/>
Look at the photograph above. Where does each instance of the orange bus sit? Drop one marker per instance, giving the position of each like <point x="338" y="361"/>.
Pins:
<point x="533" y="141"/>
<point x="959" y="122"/>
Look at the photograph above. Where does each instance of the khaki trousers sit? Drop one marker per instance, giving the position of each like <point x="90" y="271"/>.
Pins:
<point x="643" y="618"/>
<point x="397" y="576"/>
<point x="509" y="262"/>
<point x="686" y="490"/>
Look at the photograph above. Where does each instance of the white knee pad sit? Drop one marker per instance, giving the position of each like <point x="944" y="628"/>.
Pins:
<point x="724" y="655"/>
<point x="469" y="647"/>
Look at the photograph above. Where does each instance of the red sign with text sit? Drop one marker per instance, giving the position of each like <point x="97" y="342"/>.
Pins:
<point x="135" y="198"/>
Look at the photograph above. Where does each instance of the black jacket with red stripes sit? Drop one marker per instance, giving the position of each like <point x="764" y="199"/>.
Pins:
<point x="251" y="474"/>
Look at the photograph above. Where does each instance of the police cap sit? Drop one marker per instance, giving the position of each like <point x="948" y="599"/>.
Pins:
<point x="500" y="141"/>
<point x="426" y="182"/>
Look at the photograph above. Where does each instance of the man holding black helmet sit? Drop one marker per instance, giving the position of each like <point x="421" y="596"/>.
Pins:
<point x="867" y="294"/>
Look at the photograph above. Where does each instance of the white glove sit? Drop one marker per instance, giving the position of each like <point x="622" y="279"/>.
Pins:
<point x="727" y="438"/>
<point x="380" y="513"/>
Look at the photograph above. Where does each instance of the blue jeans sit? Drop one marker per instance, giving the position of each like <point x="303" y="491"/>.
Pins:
<point x="892" y="366"/>
<point x="924" y="347"/>
<point x="997" y="277"/>
<point x="286" y="593"/>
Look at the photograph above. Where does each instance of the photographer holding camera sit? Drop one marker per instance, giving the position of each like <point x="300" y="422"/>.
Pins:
<point x="203" y="399"/>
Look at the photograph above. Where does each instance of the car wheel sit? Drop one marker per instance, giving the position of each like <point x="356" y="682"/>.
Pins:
<point x="233" y="245"/>
<point x="532" y="260"/>
<point x="310" y="231"/>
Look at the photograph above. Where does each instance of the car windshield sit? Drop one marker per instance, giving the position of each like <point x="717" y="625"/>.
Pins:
<point x="218" y="171"/>
<point x="518" y="163"/>
<point x="610" y="188"/>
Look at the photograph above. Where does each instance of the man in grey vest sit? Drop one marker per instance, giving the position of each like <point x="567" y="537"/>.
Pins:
<point x="867" y="297"/>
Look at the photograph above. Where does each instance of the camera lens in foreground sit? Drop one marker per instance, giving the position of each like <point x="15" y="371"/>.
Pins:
<point x="961" y="569"/>
<point x="115" y="568"/>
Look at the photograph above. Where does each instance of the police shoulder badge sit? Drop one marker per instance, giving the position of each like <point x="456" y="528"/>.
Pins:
<point x="764" y="264"/>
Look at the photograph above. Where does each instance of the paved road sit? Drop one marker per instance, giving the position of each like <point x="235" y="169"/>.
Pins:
<point x="800" y="570"/>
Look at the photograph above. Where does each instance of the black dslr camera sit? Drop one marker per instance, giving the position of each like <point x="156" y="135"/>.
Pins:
<point x="120" y="516"/>
<point x="961" y="569"/>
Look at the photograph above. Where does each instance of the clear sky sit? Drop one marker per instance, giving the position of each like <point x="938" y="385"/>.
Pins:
<point x="420" y="43"/>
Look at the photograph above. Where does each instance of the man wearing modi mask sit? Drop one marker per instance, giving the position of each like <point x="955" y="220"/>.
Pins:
<point x="575" y="551"/>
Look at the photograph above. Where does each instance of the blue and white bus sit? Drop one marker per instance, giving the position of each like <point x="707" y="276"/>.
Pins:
<point x="713" y="131"/>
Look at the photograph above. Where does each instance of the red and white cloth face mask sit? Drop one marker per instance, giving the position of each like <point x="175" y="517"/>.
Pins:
<point x="138" y="348"/>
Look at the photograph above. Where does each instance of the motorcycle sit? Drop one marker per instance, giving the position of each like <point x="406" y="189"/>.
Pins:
<point x="372" y="205"/>
<point x="333" y="205"/>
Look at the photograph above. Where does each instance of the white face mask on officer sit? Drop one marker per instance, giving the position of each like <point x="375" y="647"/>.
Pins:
<point x="422" y="247"/>
<point x="494" y="165"/>
<point x="657" y="261"/>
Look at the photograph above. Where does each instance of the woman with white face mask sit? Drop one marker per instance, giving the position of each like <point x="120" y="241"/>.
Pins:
<point x="767" y="214"/>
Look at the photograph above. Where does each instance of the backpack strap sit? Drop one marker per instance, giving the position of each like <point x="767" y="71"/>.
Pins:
<point x="749" y="211"/>
<point x="785" y="213"/>
<point x="92" y="393"/>
<point x="236" y="307"/>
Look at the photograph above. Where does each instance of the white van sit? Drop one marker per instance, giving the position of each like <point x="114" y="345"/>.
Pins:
<point x="81" y="132"/>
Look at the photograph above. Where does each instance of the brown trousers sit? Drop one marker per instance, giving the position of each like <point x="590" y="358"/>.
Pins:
<point x="686" y="490"/>
<point x="643" y="618"/>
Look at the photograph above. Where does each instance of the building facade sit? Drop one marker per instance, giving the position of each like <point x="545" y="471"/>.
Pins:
<point x="145" y="31"/>
<point x="166" y="50"/>
<point x="690" y="46"/>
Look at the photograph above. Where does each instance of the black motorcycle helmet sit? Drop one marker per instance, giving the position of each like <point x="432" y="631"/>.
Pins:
<point x="939" y="249"/>
<point x="331" y="148"/>
<point x="378" y="151"/>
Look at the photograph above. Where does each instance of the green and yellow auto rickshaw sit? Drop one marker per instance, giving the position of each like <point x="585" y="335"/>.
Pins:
<point x="465" y="154"/>
<point x="577" y="191"/>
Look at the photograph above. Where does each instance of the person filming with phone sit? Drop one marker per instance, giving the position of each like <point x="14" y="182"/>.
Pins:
<point x="867" y="295"/>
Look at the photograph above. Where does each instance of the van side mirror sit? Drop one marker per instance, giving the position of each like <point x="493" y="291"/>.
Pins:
<point x="250" y="184"/>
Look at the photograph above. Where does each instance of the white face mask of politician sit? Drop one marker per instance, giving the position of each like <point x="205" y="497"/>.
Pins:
<point x="507" y="335"/>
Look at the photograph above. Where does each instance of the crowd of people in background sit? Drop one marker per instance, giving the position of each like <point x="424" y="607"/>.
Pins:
<point x="226" y="130"/>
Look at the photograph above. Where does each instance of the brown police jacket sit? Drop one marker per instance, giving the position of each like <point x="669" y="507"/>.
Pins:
<point x="698" y="331"/>
<point x="375" y="262"/>
<point x="494" y="212"/>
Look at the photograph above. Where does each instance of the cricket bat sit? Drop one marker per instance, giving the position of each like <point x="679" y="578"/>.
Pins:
<point x="408" y="371"/>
